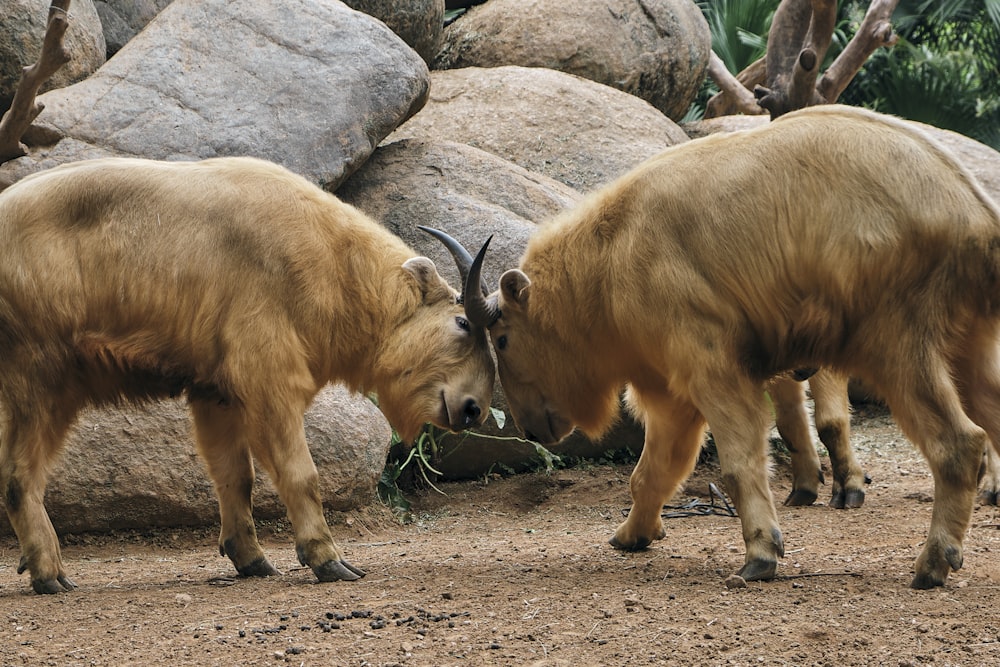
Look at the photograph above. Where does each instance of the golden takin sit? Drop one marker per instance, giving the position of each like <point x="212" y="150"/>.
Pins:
<point x="238" y="284"/>
<point x="831" y="238"/>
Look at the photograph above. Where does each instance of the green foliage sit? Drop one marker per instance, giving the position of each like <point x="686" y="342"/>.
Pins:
<point x="739" y="29"/>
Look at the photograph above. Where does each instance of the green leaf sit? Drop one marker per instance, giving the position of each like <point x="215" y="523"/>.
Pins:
<point x="499" y="416"/>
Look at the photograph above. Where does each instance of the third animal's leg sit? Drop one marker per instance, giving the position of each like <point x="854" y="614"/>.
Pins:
<point x="925" y="402"/>
<point x="833" y="424"/>
<point x="277" y="439"/>
<point x="28" y="446"/>
<point x="221" y="439"/>
<point x="738" y="418"/>
<point x="989" y="485"/>
<point x="675" y="431"/>
<point x="979" y="384"/>
<point x="790" y="416"/>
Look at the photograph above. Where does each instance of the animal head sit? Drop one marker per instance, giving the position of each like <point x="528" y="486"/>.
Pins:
<point x="438" y="362"/>
<point x="549" y="388"/>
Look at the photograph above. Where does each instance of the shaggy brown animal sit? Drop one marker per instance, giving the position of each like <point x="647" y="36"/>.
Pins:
<point x="833" y="237"/>
<point x="238" y="283"/>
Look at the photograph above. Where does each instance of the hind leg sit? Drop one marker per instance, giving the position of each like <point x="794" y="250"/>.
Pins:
<point x="738" y="417"/>
<point x="979" y="384"/>
<point x="221" y="440"/>
<point x="790" y="416"/>
<point x="926" y="404"/>
<point x="28" y="447"/>
<point x="833" y="424"/>
<point x="989" y="485"/>
<point x="675" y="431"/>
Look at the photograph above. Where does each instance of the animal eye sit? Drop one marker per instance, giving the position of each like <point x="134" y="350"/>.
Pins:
<point x="502" y="343"/>
<point x="462" y="323"/>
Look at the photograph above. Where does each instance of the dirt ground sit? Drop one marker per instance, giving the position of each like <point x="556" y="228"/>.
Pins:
<point x="517" y="571"/>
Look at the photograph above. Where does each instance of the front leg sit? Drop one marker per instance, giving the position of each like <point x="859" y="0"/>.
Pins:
<point x="277" y="438"/>
<point x="675" y="431"/>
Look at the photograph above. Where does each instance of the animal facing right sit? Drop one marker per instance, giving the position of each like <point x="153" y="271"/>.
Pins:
<point x="240" y="285"/>
<point x="831" y="238"/>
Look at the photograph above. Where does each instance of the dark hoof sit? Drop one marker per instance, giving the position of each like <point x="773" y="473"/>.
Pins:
<point x="923" y="582"/>
<point x="60" y="584"/>
<point x="337" y="570"/>
<point x="258" y="568"/>
<point x="639" y="545"/>
<point x="850" y="499"/>
<point x="800" y="498"/>
<point x="759" y="570"/>
<point x="987" y="497"/>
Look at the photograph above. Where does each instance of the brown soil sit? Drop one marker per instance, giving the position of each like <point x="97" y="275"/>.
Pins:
<point x="518" y="571"/>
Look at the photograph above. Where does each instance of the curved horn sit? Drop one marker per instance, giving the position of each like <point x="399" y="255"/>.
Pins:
<point x="463" y="259"/>
<point x="481" y="311"/>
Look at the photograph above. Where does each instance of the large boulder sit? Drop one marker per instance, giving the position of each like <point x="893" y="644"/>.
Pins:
<point x="570" y="129"/>
<point x="471" y="195"/>
<point x="655" y="49"/>
<point x="138" y="468"/>
<point x="22" y="29"/>
<point x="123" y="19"/>
<point x="310" y="84"/>
<point x="419" y="22"/>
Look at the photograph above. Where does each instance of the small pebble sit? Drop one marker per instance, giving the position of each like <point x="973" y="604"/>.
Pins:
<point x="735" y="581"/>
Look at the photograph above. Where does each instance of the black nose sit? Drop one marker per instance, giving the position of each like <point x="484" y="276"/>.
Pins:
<point x="471" y="412"/>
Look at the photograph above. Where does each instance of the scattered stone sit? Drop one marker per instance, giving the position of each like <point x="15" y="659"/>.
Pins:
<point x="735" y="581"/>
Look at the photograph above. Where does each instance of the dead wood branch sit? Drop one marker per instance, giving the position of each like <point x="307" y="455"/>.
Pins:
<point x="875" y="32"/>
<point x="734" y="96"/>
<point x="800" y="35"/>
<point x="24" y="109"/>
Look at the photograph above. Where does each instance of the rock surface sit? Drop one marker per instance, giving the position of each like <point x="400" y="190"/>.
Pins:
<point x="570" y="129"/>
<point x="420" y="23"/>
<point x="22" y="29"/>
<point x="312" y="85"/>
<point x="655" y="49"/>
<point x="138" y="468"/>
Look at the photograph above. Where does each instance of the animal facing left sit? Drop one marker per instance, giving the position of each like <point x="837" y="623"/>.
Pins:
<point x="236" y="283"/>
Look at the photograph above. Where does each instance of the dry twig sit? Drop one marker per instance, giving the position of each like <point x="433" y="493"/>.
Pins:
<point x="24" y="109"/>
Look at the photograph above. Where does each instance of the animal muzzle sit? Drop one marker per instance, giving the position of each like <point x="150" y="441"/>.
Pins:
<point x="464" y="413"/>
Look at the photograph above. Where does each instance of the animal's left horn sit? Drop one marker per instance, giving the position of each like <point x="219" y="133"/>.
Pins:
<point x="463" y="258"/>
<point x="482" y="312"/>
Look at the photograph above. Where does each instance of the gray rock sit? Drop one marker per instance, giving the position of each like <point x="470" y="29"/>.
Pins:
<point x="123" y="19"/>
<point x="419" y="22"/>
<point x="138" y="468"/>
<point x="22" y="29"/>
<point x="570" y="129"/>
<point x="310" y="84"/>
<point x="655" y="49"/>
<point x="472" y="194"/>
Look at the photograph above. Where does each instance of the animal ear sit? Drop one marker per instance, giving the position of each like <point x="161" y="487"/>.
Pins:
<point x="432" y="286"/>
<point x="514" y="289"/>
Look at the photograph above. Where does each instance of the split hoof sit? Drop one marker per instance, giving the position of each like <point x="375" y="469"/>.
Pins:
<point x="337" y="570"/>
<point x="259" y="568"/>
<point x="60" y="584"/>
<point x="639" y="545"/>
<point x="800" y="498"/>
<point x="989" y="497"/>
<point x="848" y="499"/>
<point x="759" y="569"/>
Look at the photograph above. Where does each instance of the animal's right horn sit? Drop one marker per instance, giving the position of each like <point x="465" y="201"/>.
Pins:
<point x="462" y="257"/>
<point x="482" y="312"/>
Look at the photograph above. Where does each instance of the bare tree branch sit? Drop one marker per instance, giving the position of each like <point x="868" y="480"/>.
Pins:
<point x="23" y="110"/>
<point x="875" y="32"/>
<point x="800" y="35"/>
<point x="733" y="91"/>
<point x="786" y="78"/>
